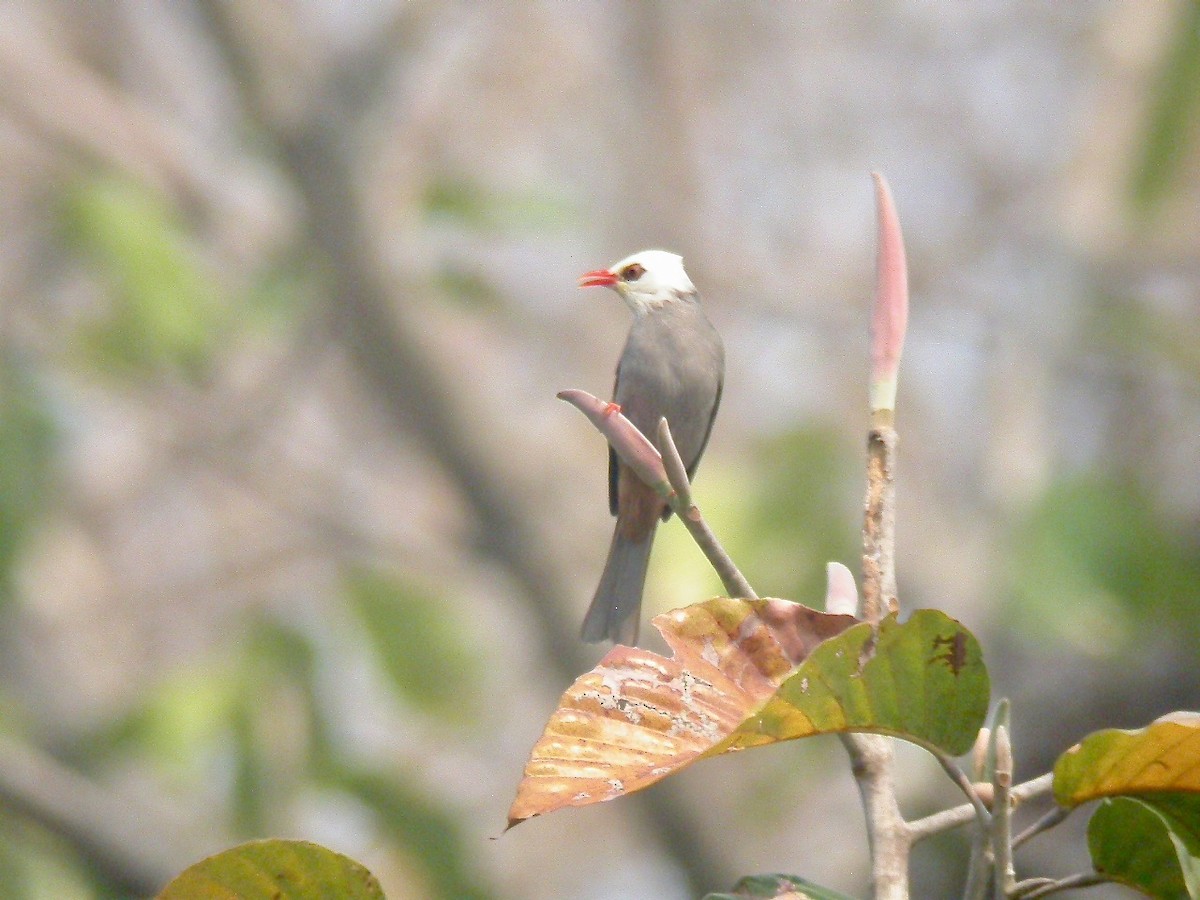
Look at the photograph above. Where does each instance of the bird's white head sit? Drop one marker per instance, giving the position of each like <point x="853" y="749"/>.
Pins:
<point x="645" y="280"/>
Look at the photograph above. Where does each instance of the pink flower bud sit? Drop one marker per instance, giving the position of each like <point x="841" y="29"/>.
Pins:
<point x="889" y="318"/>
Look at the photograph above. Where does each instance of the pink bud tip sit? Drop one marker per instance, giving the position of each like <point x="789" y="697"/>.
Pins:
<point x="889" y="318"/>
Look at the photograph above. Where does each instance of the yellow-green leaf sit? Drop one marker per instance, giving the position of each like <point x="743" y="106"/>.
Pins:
<point x="1159" y="766"/>
<point x="1164" y="757"/>
<point x="922" y="680"/>
<point x="274" y="870"/>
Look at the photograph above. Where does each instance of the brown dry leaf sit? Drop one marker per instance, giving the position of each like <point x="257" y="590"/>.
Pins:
<point x="638" y="717"/>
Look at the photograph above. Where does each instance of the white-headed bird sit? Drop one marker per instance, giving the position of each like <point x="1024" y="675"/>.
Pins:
<point x="672" y="367"/>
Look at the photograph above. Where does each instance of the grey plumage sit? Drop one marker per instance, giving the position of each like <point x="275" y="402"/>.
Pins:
<point x="672" y="366"/>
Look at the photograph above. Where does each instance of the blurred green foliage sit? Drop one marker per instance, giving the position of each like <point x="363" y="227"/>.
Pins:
<point x="1174" y="113"/>
<point x="27" y="439"/>
<point x="34" y="862"/>
<point x="166" y="312"/>
<point x="1092" y="544"/>
<point x="465" y="287"/>
<point x="459" y="204"/>
<point x="799" y="514"/>
<point x="428" y="832"/>
<point x="463" y="203"/>
<point x="254" y="724"/>
<point x="1097" y="563"/>
<point x="417" y="643"/>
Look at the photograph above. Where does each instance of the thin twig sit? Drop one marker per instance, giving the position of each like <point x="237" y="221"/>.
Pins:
<point x="1049" y="820"/>
<point x="1024" y="888"/>
<point x="981" y="855"/>
<point x="1004" y="876"/>
<point x="676" y="470"/>
<point x="961" y="815"/>
<point x="1043" y="887"/>
<point x="964" y="784"/>
<point x="733" y="580"/>
<point x="980" y="866"/>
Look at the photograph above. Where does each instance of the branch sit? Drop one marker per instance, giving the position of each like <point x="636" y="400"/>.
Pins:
<point x="735" y="583"/>
<point x="879" y="526"/>
<point x="665" y="472"/>
<point x="1046" y="822"/>
<point x="887" y="832"/>
<point x="1004" y="876"/>
<point x="980" y="855"/>
<point x="961" y="815"/>
<point x="1044" y="887"/>
<point x="964" y="784"/>
<point x="979" y="866"/>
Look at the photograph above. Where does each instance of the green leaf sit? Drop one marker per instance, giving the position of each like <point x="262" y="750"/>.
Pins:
<point x="1174" y="107"/>
<point x="419" y="643"/>
<point x="925" y="683"/>
<point x="1158" y="766"/>
<point x="274" y="870"/>
<point x="166" y="311"/>
<point x="465" y="203"/>
<point x="27" y="437"/>
<point x="778" y="886"/>
<point x="1131" y="843"/>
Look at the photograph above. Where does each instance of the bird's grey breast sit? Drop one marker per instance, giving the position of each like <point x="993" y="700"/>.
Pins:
<point x="672" y="366"/>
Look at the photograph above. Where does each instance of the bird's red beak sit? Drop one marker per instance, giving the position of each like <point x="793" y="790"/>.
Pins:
<point x="597" y="278"/>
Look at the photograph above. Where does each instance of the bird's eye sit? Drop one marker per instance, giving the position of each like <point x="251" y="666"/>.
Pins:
<point x="633" y="272"/>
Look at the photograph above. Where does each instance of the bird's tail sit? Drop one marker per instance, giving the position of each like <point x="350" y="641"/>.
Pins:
<point x="616" y="608"/>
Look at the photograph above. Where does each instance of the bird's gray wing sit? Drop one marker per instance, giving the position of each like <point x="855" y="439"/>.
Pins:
<point x="612" y="459"/>
<point x="612" y="480"/>
<point x="712" y="417"/>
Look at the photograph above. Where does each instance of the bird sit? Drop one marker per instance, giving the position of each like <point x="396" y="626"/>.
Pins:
<point x="672" y="367"/>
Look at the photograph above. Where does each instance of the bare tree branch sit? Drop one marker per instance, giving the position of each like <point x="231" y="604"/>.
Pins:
<point x="961" y="815"/>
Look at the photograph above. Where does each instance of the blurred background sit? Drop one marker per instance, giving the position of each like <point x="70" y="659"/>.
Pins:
<point x="295" y="537"/>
